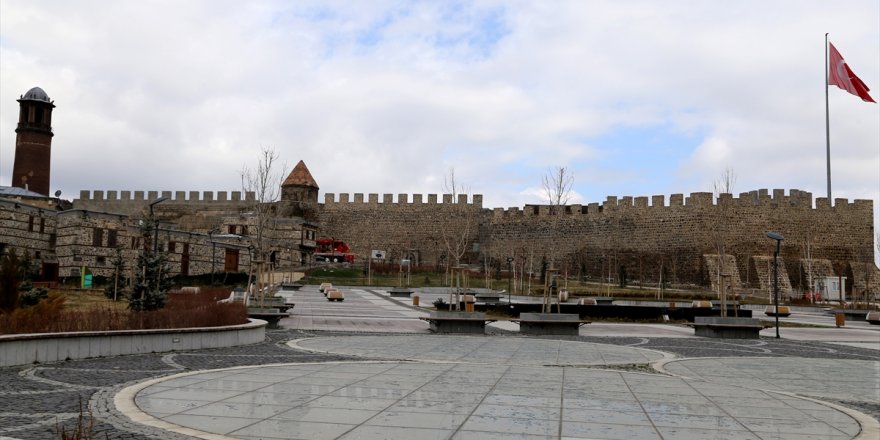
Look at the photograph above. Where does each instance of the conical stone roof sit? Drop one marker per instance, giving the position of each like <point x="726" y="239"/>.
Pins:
<point x="300" y="176"/>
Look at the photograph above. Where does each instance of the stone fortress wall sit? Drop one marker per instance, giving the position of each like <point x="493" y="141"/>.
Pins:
<point x="649" y="236"/>
<point x="646" y="235"/>
<point x="131" y="202"/>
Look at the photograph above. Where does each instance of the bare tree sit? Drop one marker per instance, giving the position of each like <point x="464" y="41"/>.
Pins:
<point x="264" y="181"/>
<point x="456" y="230"/>
<point x="723" y="185"/>
<point x="557" y="185"/>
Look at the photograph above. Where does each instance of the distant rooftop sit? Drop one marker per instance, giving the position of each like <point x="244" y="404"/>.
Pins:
<point x="14" y="191"/>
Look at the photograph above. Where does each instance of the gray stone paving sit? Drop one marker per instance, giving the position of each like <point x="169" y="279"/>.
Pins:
<point x="453" y="400"/>
<point x="837" y="379"/>
<point x="480" y="349"/>
<point x="34" y="399"/>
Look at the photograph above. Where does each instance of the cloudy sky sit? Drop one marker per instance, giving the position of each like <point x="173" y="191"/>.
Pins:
<point x="635" y="97"/>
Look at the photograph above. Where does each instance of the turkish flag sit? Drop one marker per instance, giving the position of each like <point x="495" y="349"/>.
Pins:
<point x="840" y="75"/>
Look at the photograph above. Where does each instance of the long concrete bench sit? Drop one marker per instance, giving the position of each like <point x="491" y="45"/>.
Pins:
<point x="727" y="328"/>
<point x="458" y="322"/>
<point x="273" y="303"/>
<point x="488" y="297"/>
<point x="400" y="292"/>
<point x="270" y="315"/>
<point x="549" y="323"/>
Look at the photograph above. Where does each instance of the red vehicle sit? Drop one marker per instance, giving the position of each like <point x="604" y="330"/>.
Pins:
<point x="333" y="250"/>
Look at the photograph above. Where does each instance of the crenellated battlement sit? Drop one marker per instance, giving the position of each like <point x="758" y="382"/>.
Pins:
<point x="796" y="199"/>
<point x="173" y="196"/>
<point x="403" y="200"/>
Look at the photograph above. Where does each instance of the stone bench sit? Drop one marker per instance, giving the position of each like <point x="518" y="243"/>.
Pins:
<point x="334" y="295"/>
<point x="488" y="297"/>
<point x="291" y="286"/>
<point x="549" y="323"/>
<point x="784" y="311"/>
<point x="270" y="315"/>
<point x="400" y="292"/>
<point x="282" y="306"/>
<point x="457" y="322"/>
<point x="727" y="328"/>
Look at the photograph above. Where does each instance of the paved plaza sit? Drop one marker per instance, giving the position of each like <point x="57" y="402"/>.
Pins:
<point x="368" y="368"/>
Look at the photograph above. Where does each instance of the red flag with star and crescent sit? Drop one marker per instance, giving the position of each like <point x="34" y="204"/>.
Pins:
<point x="840" y="75"/>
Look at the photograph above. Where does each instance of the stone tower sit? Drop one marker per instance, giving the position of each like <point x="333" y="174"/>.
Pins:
<point x="299" y="186"/>
<point x="33" y="142"/>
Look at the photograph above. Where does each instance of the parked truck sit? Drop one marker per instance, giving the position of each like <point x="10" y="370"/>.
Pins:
<point x="333" y="250"/>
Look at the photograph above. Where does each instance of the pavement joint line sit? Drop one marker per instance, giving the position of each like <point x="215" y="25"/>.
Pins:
<point x="641" y="405"/>
<point x="495" y="385"/>
<point x="870" y="427"/>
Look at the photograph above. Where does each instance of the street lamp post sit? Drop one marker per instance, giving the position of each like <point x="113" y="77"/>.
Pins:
<point x="213" y="249"/>
<point x="509" y="278"/>
<point x="778" y="237"/>
<point x="155" y="223"/>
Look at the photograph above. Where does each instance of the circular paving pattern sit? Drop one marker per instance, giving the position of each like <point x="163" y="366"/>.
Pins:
<point x="840" y="379"/>
<point x="479" y="350"/>
<point x="368" y="400"/>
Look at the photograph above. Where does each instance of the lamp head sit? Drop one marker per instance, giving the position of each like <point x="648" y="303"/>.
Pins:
<point x="775" y="236"/>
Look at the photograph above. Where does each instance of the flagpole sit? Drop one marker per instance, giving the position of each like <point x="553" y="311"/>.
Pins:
<point x="827" y="126"/>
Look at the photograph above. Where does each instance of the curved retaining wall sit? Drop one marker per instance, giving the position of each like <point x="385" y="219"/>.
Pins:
<point x="53" y="347"/>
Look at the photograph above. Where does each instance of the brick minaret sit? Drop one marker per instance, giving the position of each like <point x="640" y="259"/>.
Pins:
<point x="33" y="142"/>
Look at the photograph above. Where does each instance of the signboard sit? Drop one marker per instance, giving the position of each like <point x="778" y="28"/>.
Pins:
<point x="377" y="254"/>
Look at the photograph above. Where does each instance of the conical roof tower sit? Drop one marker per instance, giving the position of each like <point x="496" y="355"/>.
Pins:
<point x="300" y="186"/>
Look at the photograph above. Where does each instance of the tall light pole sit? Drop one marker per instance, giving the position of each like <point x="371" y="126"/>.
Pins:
<point x="155" y="223"/>
<point x="509" y="278"/>
<point x="778" y="237"/>
<point x="213" y="248"/>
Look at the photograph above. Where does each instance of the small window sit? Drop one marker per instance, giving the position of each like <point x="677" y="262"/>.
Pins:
<point x="111" y="238"/>
<point x="244" y="230"/>
<point x="42" y="225"/>
<point x="231" y="229"/>
<point x="52" y="240"/>
<point x="31" y="224"/>
<point x="102" y="261"/>
<point x="172" y="247"/>
<point x="186" y="249"/>
<point x="97" y="237"/>
<point x="37" y="255"/>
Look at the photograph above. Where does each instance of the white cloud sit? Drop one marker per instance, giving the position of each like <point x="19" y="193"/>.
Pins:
<point x="385" y="96"/>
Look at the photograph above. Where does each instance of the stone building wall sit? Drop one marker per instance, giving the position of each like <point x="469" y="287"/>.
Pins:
<point x="28" y="229"/>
